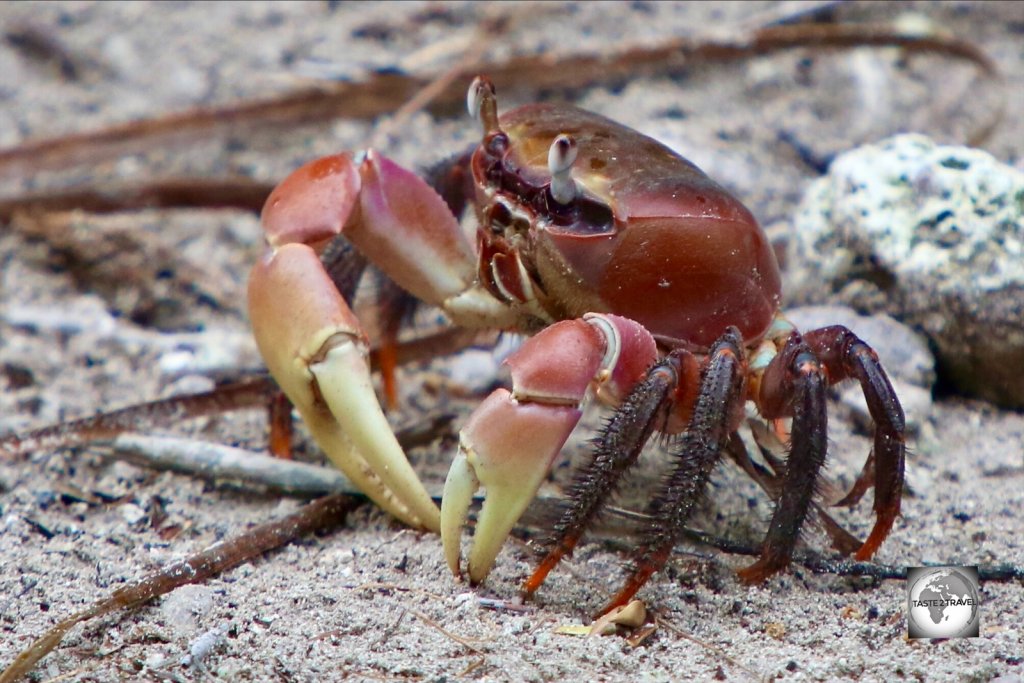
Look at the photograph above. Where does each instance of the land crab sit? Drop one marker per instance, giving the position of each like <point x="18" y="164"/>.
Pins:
<point x="644" y="284"/>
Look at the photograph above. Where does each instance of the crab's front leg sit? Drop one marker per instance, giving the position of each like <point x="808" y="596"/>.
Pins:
<point x="511" y="439"/>
<point x="312" y="342"/>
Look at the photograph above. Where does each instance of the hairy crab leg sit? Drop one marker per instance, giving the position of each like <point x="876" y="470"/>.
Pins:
<point x="715" y="417"/>
<point x="511" y="439"/>
<point x="771" y="483"/>
<point x="794" y="384"/>
<point x="615" y="449"/>
<point x="845" y="355"/>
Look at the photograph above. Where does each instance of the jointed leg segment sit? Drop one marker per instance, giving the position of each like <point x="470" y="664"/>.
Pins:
<point x="615" y="449"/>
<point x="845" y="355"/>
<point x="801" y="379"/>
<point x="794" y="385"/>
<point x="715" y="416"/>
<point x="509" y="442"/>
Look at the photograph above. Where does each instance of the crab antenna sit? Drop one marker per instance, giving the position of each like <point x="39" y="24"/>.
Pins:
<point x="482" y="103"/>
<point x="561" y="156"/>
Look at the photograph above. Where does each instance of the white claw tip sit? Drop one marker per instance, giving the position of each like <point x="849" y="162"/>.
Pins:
<point x="459" y="488"/>
<point x="561" y="157"/>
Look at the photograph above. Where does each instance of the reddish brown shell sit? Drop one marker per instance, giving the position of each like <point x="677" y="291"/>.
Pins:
<point x="684" y="258"/>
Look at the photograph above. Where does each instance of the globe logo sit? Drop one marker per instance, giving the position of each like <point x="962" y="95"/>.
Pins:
<point x="942" y="602"/>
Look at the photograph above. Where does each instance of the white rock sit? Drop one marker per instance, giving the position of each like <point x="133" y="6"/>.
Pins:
<point x="932" y="235"/>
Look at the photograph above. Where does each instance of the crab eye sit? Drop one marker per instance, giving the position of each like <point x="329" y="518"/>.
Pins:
<point x="561" y="156"/>
<point x="473" y="98"/>
<point x="482" y="103"/>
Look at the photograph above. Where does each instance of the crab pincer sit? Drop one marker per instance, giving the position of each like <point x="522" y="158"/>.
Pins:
<point x="308" y="335"/>
<point x="512" y="438"/>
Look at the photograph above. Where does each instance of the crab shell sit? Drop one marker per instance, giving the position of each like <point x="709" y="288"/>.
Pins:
<point x="653" y="238"/>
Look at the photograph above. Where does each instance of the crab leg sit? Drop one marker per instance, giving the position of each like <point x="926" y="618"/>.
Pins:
<point x="845" y="355"/>
<point x="615" y="450"/>
<point x="715" y="417"/>
<point x="512" y="438"/>
<point x="312" y="342"/>
<point x="794" y="384"/>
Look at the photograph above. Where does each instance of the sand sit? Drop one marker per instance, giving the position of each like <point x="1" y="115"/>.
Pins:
<point x="144" y="305"/>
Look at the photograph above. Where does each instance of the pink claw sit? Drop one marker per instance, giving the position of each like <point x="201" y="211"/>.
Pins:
<point x="313" y="344"/>
<point x="512" y="438"/>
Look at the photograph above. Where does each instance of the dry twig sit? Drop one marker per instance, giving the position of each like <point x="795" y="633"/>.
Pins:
<point x="178" y="193"/>
<point x="473" y="644"/>
<point x="249" y="393"/>
<point x="387" y="92"/>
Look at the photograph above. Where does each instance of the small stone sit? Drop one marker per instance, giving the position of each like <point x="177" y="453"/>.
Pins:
<point x="474" y="370"/>
<point x="132" y="514"/>
<point x="184" y="607"/>
<point x="155" y="660"/>
<point x="933" y="235"/>
<point x="465" y="601"/>
<point x="516" y="625"/>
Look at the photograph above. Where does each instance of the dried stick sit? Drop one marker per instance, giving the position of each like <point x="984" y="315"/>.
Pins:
<point x="386" y="92"/>
<point x="328" y="512"/>
<point x="244" y="394"/>
<point x="662" y="621"/>
<point x="217" y="462"/>
<point x="322" y="514"/>
<point x="213" y="461"/>
<point x="250" y="393"/>
<point x="487" y="32"/>
<point x="816" y="563"/>
<point x="178" y="193"/>
<point x="473" y="644"/>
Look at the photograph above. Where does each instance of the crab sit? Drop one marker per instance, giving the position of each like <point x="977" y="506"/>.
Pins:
<point x="642" y="284"/>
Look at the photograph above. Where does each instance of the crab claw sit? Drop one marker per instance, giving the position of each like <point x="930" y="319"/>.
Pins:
<point x="507" y="447"/>
<point x="512" y="438"/>
<point x="306" y="332"/>
<point x="314" y="347"/>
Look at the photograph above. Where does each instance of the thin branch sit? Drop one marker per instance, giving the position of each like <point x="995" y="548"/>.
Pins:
<point x="217" y="462"/>
<point x="825" y="565"/>
<point x="178" y="193"/>
<point x="486" y="33"/>
<point x="661" y="621"/>
<point x="249" y="393"/>
<point x="387" y="92"/>
<point x="471" y="643"/>
<point x="245" y="394"/>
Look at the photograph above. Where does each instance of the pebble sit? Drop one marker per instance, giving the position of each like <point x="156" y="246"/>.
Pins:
<point x="183" y="607"/>
<point x="933" y="235"/>
<point x="131" y="513"/>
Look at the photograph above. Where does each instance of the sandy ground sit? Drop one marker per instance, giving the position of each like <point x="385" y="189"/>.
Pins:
<point x="366" y="602"/>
